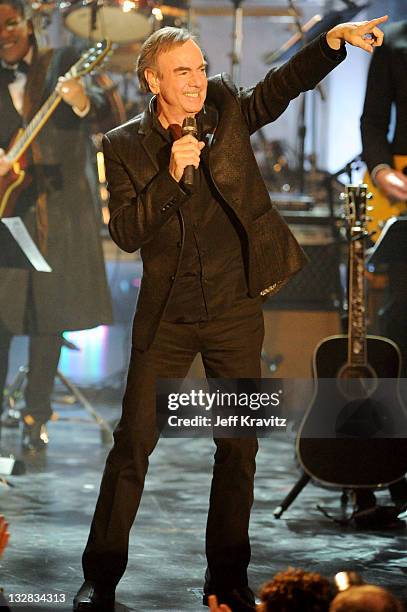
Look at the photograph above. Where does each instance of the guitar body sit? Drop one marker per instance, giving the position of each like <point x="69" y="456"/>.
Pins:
<point x="383" y="208"/>
<point x="354" y="433"/>
<point x="13" y="183"/>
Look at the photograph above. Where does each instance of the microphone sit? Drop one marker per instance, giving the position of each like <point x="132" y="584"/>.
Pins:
<point x="189" y="127"/>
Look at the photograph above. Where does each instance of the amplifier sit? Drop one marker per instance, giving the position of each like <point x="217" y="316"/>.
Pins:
<point x="317" y="285"/>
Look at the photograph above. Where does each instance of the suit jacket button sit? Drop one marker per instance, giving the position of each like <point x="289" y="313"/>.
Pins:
<point x="172" y="277"/>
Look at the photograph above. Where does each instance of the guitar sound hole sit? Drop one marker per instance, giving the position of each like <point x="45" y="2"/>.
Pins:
<point x="357" y="382"/>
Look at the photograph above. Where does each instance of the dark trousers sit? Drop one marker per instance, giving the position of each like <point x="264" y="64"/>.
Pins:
<point x="44" y="352"/>
<point x="230" y="347"/>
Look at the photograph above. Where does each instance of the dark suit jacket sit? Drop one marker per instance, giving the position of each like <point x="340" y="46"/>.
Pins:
<point x="386" y="84"/>
<point x="146" y="203"/>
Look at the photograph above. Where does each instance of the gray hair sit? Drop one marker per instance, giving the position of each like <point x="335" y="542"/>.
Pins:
<point x="159" y="42"/>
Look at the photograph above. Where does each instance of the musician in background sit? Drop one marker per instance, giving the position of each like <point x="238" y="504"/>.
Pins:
<point x="388" y="68"/>
<point x="56" y="208"/>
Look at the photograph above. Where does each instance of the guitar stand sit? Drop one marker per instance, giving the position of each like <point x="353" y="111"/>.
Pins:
<point x="292" y="495"/>
<point x="14" y="392"/>
<point x="296" y="490"/>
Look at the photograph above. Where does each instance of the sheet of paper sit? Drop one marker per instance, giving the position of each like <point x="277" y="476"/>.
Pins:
<point x="20" y="234"/>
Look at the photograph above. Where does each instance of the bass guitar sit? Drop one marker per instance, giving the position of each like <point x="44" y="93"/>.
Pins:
<point x="16" y="180"/>
<point x="354" y="433"/>
<point x="384" y="208"/>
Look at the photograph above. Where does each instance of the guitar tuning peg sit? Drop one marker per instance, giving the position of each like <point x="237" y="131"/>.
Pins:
<point x="369" y="208"/>
<point x="342" y="196"/>
<point x="369" y="195"/>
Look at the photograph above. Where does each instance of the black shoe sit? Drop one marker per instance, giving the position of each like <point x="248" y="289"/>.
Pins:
<point x="35" y="437"/>
<point x="239" y="599"/>
<point x="91" y="598"/>
<point x="378" y="518"/>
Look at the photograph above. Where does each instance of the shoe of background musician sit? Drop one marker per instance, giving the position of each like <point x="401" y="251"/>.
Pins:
<point x="92" y="598"/>
<point x="377" y="518"/>
<point x="35" y="435"/>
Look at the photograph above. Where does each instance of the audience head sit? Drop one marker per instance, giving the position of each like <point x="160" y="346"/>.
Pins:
<point x="366" y="598"/>
<point x="295" y="590"/>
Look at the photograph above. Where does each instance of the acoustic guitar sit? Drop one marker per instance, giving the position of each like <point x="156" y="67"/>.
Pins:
<point x="17" y="179"/>
<point x="354" y="433"/>
<point x="384" y="208"/>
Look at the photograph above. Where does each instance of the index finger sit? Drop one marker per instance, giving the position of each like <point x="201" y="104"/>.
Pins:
<point x="369" y="25"/>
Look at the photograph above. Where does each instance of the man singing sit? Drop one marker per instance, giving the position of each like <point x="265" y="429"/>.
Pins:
<point x="208" y="253"/>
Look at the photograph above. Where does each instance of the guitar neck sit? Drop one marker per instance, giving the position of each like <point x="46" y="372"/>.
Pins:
<point x="357" y="345"/>
<point x="357" y="310"/>
<point x="32" y="129"/>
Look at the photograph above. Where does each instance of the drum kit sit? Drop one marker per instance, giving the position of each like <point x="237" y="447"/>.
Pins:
<point x="127" y="23"/>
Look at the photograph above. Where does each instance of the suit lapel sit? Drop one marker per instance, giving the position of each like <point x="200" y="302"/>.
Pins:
<point x="151" y="143"/>
<point x="209" y="123"/>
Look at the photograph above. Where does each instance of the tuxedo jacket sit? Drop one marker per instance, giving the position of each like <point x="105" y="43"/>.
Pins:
<point x="386" y="85"/>
<point x="146" y="202"/>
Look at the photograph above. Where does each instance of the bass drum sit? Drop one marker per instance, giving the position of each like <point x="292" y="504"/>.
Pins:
<point x="119" y="21"/>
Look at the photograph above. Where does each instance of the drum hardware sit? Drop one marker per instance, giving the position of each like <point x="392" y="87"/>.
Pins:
<point x="311" y="29"/>
<point x="178" y="9"/>
<point x="237" y="37"/>
<point x="14" y="395"/>
<point x="247" y="11"/>
<point x="305" y="33"/>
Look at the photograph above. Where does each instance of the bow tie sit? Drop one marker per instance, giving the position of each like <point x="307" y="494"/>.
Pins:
<point x="9" y="73"/>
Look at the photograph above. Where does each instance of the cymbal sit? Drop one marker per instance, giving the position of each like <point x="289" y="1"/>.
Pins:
<point x="228" y="11"/>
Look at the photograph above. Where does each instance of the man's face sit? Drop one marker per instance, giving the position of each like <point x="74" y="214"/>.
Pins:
<point x="14" y="35"/>
<point x="180" y="81"/>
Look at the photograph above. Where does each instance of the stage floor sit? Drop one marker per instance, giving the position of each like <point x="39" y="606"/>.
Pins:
<point x="50" y="508"/>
